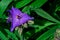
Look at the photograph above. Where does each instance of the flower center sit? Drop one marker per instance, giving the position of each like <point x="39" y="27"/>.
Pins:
<point x="18" y="17"/>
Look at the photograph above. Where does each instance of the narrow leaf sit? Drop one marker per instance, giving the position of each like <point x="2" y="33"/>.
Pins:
<point x="47" y="34"/>
<point x="18" y="35"/>
<point x="39" y="28"/>
<point x="11" y="35"/>
<point x="42" y="27"/>
<point x="38" y="3"/>
<point x="44" y="14"/>
<point x="22" y="3"/>
<point x="3" y="6"/>
<point x="2" y="36"/>
<point x="26" y="10"/>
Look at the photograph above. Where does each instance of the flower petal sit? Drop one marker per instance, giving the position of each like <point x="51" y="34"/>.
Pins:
<point x="25" y="18"/>
<point x="14" y="24"/>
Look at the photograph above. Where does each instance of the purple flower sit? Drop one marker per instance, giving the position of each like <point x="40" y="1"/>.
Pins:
<point x="17" y="18"/>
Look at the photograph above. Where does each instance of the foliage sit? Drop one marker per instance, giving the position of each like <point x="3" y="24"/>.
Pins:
<point x="46" y="19"/>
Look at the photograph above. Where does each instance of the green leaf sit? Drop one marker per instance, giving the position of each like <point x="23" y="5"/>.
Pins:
<point x="22" y="3"/>
<point x="44" y="14"/>
<point x="57" y="8"/>
<point x="51" y="37"/>
<point x="38" y="3"/>
<point x="2" y="36"/>
<point x="47" y="34"/>
<point x="28" y="34"/>
<point x="3" y="6"/>
<point x="26" y="10"/>
<point x="18" y="35"/>
<point x="11" y="35"/>
<point x="42" y="27"/>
